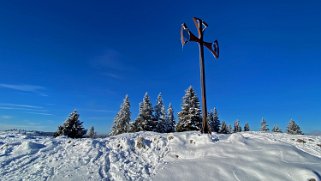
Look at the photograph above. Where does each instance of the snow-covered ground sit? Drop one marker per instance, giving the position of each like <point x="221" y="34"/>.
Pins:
<point x="153" y="156"/>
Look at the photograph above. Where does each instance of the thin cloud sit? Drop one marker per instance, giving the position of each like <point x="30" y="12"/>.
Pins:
<point x="21" y="106"/>
<point x="41" y="113"/>
<point x="30" y="109"/>
<point x="110" y="60"/>
<point x="112" y="64"/>
<point x="26" y="88"/>
<point x="113" y="75"/>
<point x="15" y="108"/>
<point x="5" y="117"/>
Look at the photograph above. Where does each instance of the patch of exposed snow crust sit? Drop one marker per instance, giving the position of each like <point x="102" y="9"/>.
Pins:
<point x="153" y="156"/>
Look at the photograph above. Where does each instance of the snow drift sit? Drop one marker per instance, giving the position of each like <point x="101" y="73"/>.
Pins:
<point x="154" y="156"/>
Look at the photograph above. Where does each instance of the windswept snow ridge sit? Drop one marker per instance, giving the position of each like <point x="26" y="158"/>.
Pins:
<point x="241" y="156"/>
<point x="153" y="156"/>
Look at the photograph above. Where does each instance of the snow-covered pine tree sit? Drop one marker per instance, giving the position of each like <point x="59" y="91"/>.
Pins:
<point x="132" y="127"/>
<point x="190" y="115"/>
<point x="72" y="127"/>
<point x="160" y="115"/>
<point x="214" y="122"/>
<point x="122" y="118"/>
<point x="224" y="129"/>
<point x="145" y="120"/>
<point x="170" y="120"/>
<point x="264" y="126"/>
<point x="91" y="132"/>
<point x="237" y="126"/>
<point x="246" y="127"/>
<point x="293" y="128"/>
<point x="276" y="129"/>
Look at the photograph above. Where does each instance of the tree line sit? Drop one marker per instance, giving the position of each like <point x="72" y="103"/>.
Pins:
<point x="158" y="119"/>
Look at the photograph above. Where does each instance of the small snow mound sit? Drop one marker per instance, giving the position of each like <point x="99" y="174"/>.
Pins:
<point x="28" y="147"/>
<point x="237" y="138"/>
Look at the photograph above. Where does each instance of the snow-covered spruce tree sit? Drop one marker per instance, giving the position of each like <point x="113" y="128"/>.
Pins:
<point x="91" y="132"/>
<point x="246" y="127"/>
<point x="224" y="129"/>
<point x="214" y="122"/>
<point x="132" y="127"/>
<point x="160" y="115"/>
<point x="237" y="126"/>
<point x="122" y="118"/>
<point x="293" y="128"/>
<point x="170" y="120"/>
<point x="264" y="126"/>
<point x="72" y="127"/>
<point x="145" y="120"/>
<point x="276" y="129"/>
<point x="190" y="115"/>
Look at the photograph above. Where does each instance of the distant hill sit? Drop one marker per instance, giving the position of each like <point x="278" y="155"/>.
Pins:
<point x="315" y="132"/>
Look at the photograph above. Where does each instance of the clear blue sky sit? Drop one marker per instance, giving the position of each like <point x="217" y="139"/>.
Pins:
<point x="59" y="55"/>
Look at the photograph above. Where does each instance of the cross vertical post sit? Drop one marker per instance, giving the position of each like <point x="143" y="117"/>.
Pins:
<point x="187" y="35"/>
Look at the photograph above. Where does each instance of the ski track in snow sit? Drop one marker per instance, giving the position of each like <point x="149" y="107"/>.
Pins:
<point x="154" y="156"/>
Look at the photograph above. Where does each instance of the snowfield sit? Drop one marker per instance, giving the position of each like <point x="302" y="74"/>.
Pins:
<point x="241" y="156"/>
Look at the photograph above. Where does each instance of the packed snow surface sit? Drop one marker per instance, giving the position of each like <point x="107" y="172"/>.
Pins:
<point x="241" y="156"/>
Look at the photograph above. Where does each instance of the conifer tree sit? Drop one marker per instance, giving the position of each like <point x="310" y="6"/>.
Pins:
<point x="276" y="129"/>
<point x="190" y="115"/>
<point x="230" y="130"/>
<point x="91" y="132"/>
<point x="214" y="121"/>
<point x="160" y="115"/>
<point x="264" y="126"/>
<point x="224" y="129"/>
<point x="170" y="120"/>
<point x="237" y="126"/>
<point x="122" y="118"/>
<point x="132" y="127"/>
<point x="293" y="128"/>
<point x="145" y="120"/>
<point x="246" y="127"/>
<point x="72" y="127"/>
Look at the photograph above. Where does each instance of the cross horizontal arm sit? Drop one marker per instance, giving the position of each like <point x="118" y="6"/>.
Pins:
<point x="208" y="45"/>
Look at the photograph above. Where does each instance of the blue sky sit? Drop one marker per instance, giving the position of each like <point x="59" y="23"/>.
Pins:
<point x="86" y="55"/>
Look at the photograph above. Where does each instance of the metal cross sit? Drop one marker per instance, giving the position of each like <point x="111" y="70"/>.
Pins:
<point x="186" y="36"/>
